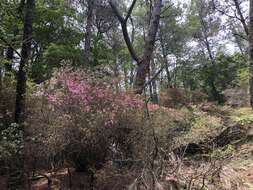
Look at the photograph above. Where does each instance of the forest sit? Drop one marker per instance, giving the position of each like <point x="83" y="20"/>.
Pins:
<point x="126" y="94"/>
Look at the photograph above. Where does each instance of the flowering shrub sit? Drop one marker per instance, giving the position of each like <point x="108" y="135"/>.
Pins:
<point x="82" y="116"/>
<point x="76" y="92"/>
<point x="84" y="121"/>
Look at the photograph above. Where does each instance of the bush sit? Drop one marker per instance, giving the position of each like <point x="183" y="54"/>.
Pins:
<point x="176" y="98"/>
<point x="7" y="101"/>
<point x="80" y="117"/>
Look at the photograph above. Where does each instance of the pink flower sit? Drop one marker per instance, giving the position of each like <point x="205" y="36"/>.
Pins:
<point x="153" y="107"/>
<point x="80" y="93"/>
<point x="52" y="98"/>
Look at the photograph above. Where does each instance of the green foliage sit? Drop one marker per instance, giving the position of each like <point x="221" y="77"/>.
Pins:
<point x="228" y="68"/>
<point x="11" y="142"/>
<point x="57" y="38"/>
<point x="56" y="53"/>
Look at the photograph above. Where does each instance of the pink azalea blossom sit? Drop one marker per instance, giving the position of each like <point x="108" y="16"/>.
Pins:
<point x="83" y="94"/>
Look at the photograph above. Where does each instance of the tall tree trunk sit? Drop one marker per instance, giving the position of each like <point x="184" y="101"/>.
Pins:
<point x="215" y="93"/>
<point x="2" y="109"/>
<point x="88" y="32"/>
<point x="25" y="54"/>
<point x="251" y="51"/>
<point x="16" y="170"/>
<point x="132" y="67"/>
<point x="165" y="61"/>
<point x="211" y="79"/>
<point x="143" y="64"/>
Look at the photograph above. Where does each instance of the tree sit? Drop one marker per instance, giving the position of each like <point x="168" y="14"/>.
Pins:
<point x="207" y="26"/>
<point x="88" y="31"/>
<point x="234" y="10"/>
<point x="251" y="51"/>
<point x="25" y="55"/>
<point x="172" y="38"/>
<point x="16" y="170"/>
<point x="54" y="23"/>
<point x="143" y="62"/>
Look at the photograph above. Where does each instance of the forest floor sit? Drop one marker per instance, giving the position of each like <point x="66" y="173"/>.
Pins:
<point x="236" y="171"/>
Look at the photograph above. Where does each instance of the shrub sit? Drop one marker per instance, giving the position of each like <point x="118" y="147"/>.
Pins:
<point x="7" y="103"/>
<point x="176" y="97"/>
<point x="80" y="116"/>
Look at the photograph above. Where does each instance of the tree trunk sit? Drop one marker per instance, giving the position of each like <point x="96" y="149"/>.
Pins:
<point x="211" y="79"/>
<point x="1" y="83"/>
<point x="16" y="170"/>
<point x="143" y="64"/>
<point x="132" y="67"/>
<point x="165" y="60"/>
<point x="25" y="54"/>
<point x="150" y="86"/>
<point x="251" y="52"/>
<point x="126" y="83"/>
<point x="88" y="32"/>
<point x="242" y="19"/>
<point x="9" y="57"/>
<point x="1" y="74"/>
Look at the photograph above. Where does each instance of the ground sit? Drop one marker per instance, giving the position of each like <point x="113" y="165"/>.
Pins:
<point x="236" y="172"/>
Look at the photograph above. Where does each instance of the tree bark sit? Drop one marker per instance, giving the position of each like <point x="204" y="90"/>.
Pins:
<point x="25" y="54"/>
<point x="16" y="170"/>
<point x="143" y="64"/>
<point x="241" y="17"/>
<point x="9" y="57"/>
<point x="251" y="52"/>
<point x="123" y="23"/>
<point x="88" y="32"/>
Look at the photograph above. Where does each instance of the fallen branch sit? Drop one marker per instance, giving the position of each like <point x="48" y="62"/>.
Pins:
<point x="231" y="135"/>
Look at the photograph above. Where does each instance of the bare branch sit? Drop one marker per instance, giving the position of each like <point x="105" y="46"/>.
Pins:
<point x="116" y="12"/>
<point x="125" y="31"/>
<point x="239" y="35"/>
<point x="130" y="10"/>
